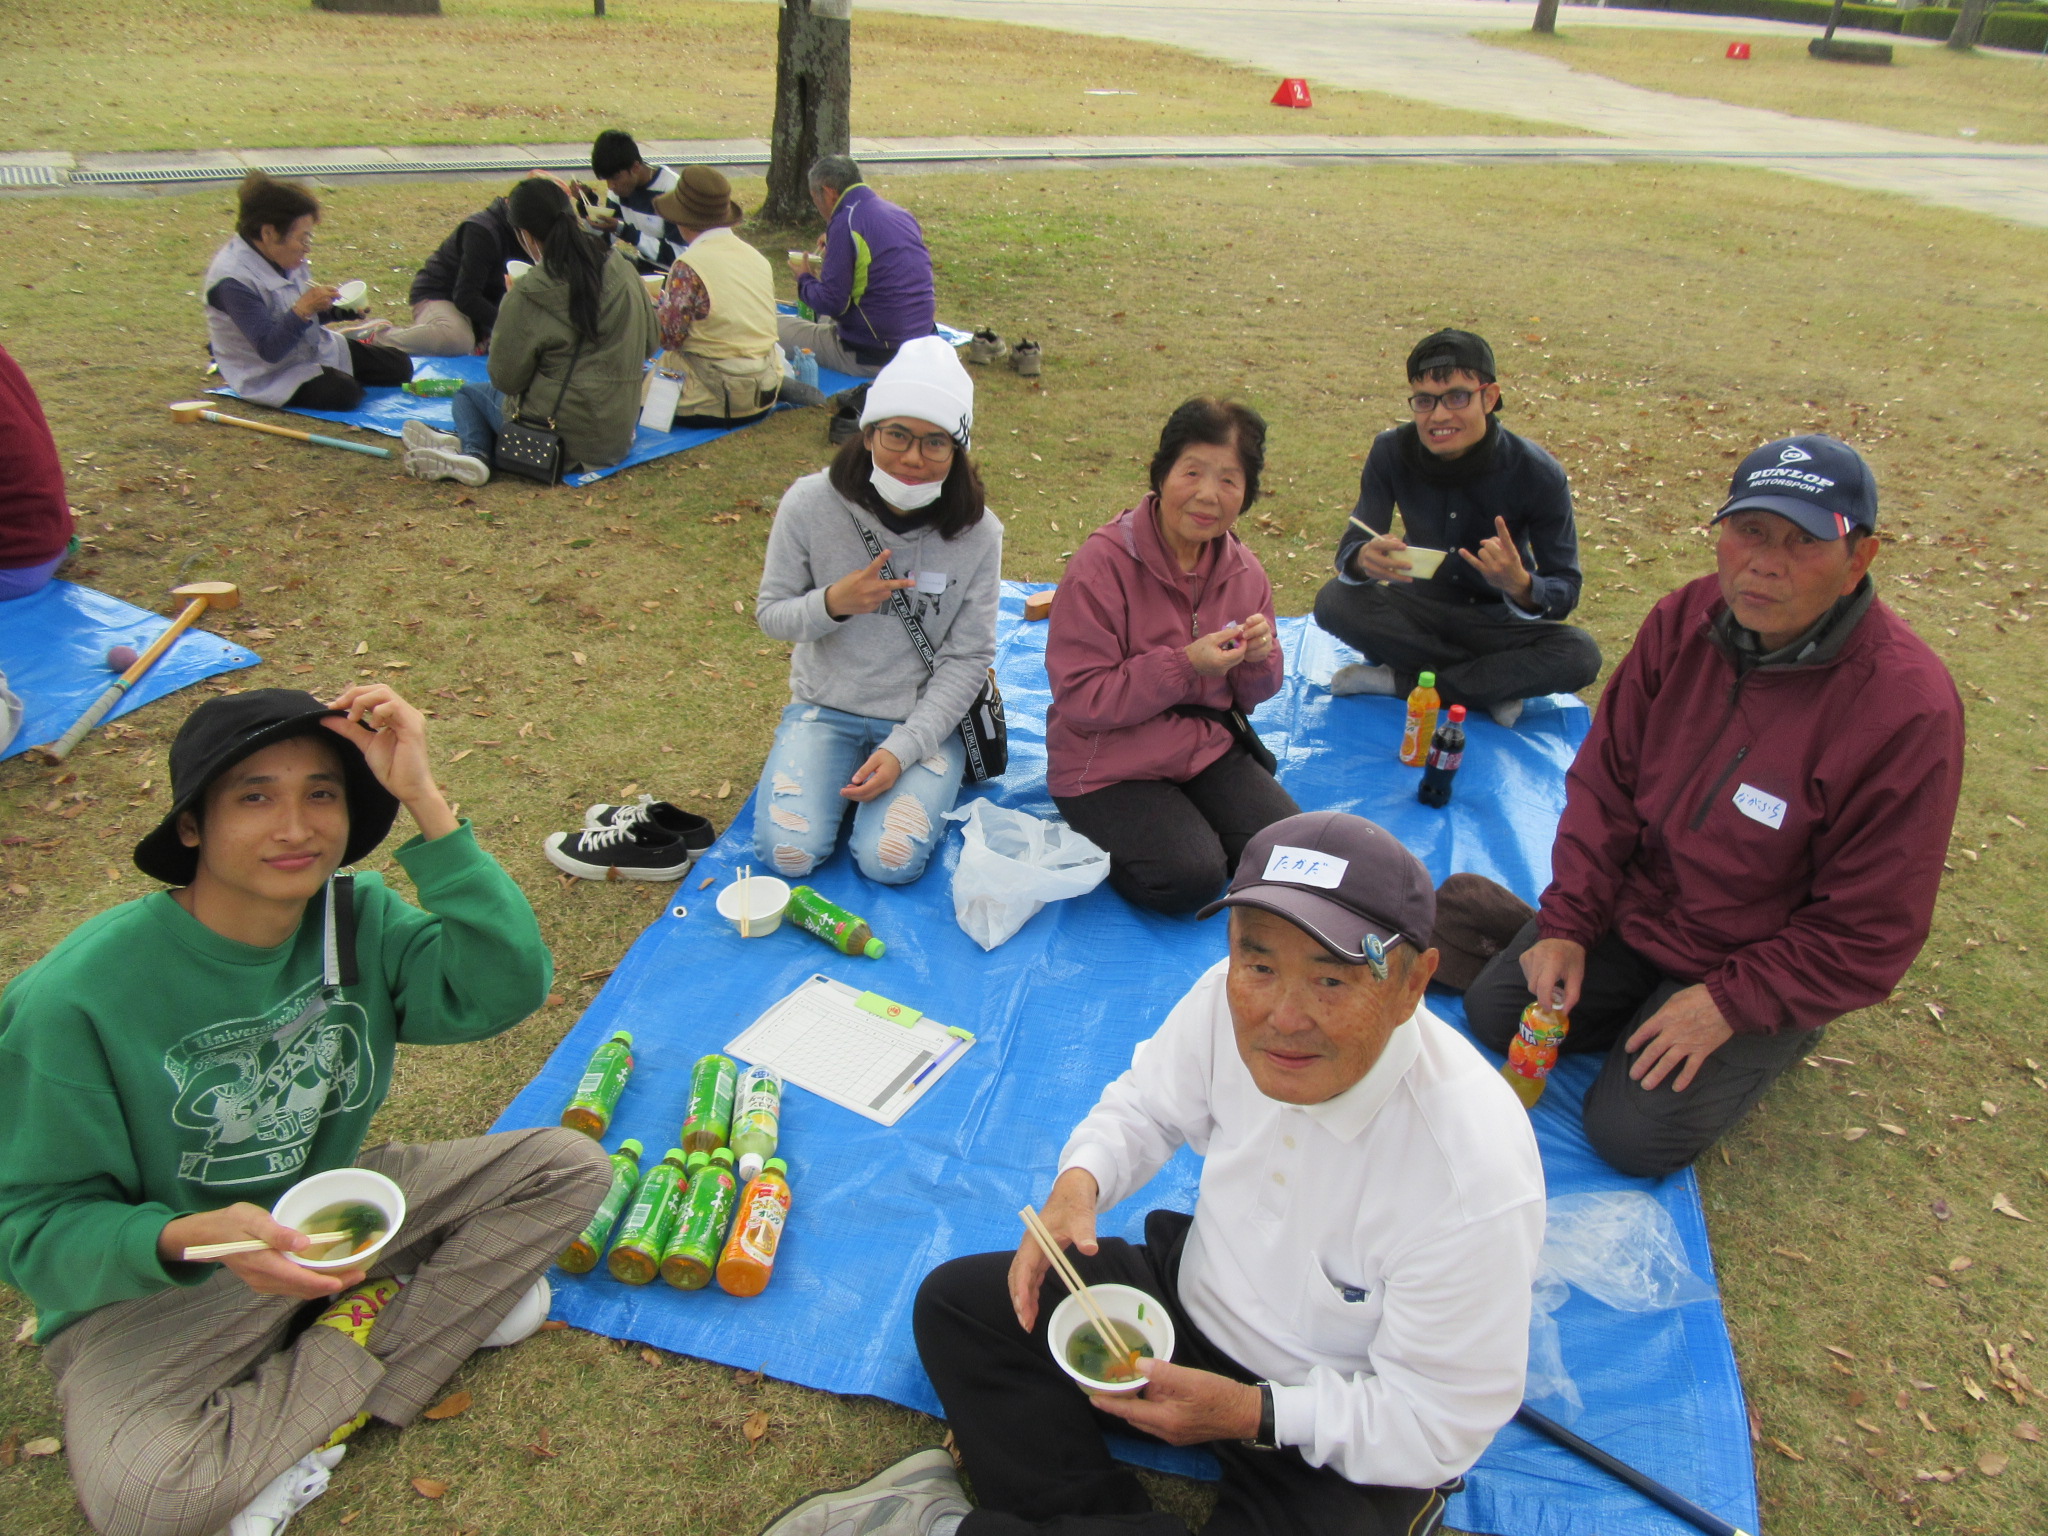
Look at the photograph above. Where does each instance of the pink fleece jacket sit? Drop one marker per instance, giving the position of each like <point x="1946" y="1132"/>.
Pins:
<point x="1117" y="656"/>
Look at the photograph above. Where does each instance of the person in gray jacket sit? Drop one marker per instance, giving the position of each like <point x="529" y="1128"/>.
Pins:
<point x="870" y="728"/>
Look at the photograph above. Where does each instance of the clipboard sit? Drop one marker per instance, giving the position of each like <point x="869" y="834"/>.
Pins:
<point x="858" y="1049"/>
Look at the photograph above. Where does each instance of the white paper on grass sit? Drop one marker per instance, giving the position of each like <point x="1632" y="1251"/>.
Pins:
<point x="1011" y="864"/>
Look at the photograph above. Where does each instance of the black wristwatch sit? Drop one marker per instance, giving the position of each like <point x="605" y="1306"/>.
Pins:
<point x="1265" y="1439"/>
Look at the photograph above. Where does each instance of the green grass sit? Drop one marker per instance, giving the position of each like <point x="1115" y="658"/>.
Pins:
<point x="1997" y="98"/>
<point x="1651" y="324"/>
<point x="247" y="74"/>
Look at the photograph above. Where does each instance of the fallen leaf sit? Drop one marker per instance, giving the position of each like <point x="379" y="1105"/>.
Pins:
<point x="540" y="1449"/>
<point x="449" y="1406"/>
<point x="349" y="1518"/>
<point x="1904" y="1399"/>
<point x="649" y="1356"/>
<point x="1792" y="1253"/>
<point x="748" y="1378"/>
<point x="1889" y="1129"/>
<point x="1865" y="1424"/>
<point x="1990" y="1109"/>
<point x="396" y="666"/>
<point x="738" y="606"/>
<point x="553" y="1323"/>
<point x="2028" y="1433"/>
<point x="555" y="1000"/>
<point x="1925" y="1422"/>
<point x="1991" y="1463"/>
<point x="1856" y="1133"/>
<point x="458" y="757"/>
<point x="1976" y="1392"/>
<point x="42" y="1445"/>
<point x="706" y="883"/>
<point x="362" y="648"/>
<point x="429" y="1487"/>
<point x="1937" y="1282"/>
<point x="2005" y="1207"/>
<point x="755" y="1428"/>
<point x="1935" y="1010"/>
<point x="597" y="975"/>
<point x="577" y="657"/>
<point x="1957" y="1265"/>
<point x="1834" y="1349"/>
<point x="724" y="790"/>
<point x="26" y="1333"/>
<point x="1782" y="1448"/>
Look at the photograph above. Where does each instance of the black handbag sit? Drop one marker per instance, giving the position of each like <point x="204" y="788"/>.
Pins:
<point x="1239" y="724"/>
<point x="983" y="729"/>
<point x="534" y="449"/>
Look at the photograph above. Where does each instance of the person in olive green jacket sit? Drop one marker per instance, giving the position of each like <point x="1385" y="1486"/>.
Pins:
<point x="571" y="346"/>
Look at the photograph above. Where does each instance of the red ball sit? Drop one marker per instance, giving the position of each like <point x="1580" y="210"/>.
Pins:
<point x="121" y="658"/>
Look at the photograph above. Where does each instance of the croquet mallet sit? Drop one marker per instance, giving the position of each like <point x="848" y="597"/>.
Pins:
<point x="199" y="410"/>
<point x="199" y="596"/>
<point x="1644" y="1484"/>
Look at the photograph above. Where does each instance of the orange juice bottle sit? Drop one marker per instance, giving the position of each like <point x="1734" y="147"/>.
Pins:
<point x="1423" y="704"/>
<point x="749" y="1257"/>
<point x="1533" y="1052"/>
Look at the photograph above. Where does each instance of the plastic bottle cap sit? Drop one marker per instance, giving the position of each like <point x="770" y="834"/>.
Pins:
<point x="698" y="1160"/>
<point x="1426" y="680"/>
<point x="625" y="1035"/>
<point x="874" y="948"/>
<point x="675" y="1155"/>
<point x="1457" y="713"/>
<point x="776" y="1165"/>
<point x="750" y="1165"/>
<point x="722" y="1154"/>
<point x="632" y="1146"/>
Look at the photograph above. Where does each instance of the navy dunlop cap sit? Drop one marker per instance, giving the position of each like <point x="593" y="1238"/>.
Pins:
<point x="1452" y="349"/>
<point x="1818" y="482"/>
<point x="1346" y="882"/>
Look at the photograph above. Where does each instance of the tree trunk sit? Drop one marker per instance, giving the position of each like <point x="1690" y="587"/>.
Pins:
<point x="1834" y="21"/>
<point x="813" y="88"/>
<point x="1968" y="25"/>
<point x="1546" y="17"/>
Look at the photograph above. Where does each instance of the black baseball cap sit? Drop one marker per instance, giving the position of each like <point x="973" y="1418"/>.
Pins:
<point x="1346" y="882"/>
<point x="1818" y="482"/>
<point x="1452" y="349"/>
<point x="219" y="734"/>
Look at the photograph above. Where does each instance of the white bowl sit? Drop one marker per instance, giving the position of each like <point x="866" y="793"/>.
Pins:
<point x="1422" y="563"/>
<point x="517" y="269"/>
<point x="1123" y="1305"/>
<point x="767" y="900"/>
<point x="324" y="1189"/>
<point x="351" y="293"/>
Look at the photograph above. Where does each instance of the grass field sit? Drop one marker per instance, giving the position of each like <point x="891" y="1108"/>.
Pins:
<point x="1982" y="96"/>
<point x="248" y="74"/>
<point x="1652" y="325"/>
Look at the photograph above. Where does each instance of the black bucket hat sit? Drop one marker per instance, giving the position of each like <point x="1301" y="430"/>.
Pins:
<point x="219" y="734"/>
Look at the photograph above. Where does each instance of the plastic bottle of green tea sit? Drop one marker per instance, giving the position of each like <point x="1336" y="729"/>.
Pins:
<point x="692" y="1254"/>
<point x="649" y="1223"/>
<point x="709" y="1119"/>
<point x="756" y="1119"/>
<point x="832" y="923"/>
<point x="433" y="389"/>
<point x="580" y="1257"/>
<point x="604" y="1079"/>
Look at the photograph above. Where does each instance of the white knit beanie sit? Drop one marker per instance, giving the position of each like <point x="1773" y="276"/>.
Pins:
<point x="926" y="383"/>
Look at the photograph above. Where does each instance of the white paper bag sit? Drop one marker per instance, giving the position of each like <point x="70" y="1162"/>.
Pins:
<point x="1011" y="864"/>
<point x="658" y="407"/>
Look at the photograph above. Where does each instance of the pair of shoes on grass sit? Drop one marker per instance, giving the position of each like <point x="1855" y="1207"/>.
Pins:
<point x="651" y="840"/>
<point x="919" y="1496"/>
<point x="434" y="455"/>
<point x="986" y="347"/>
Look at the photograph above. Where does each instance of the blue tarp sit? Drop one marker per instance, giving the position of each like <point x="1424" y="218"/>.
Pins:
<point x="1058" y="1010"/>
<point x="387" y="410"/>
<point x="53" y="647"/>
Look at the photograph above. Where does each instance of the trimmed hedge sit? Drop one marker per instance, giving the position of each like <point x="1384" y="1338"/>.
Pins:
<point x="2015" y="29"/>
<point x="1870" y="18"/>
<point x="1928" y="21"/>
<point x="2019" y="24"/>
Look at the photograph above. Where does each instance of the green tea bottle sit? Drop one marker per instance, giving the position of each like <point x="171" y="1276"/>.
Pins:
<point x="692" y="1254"/>
<point x="834" y="924"/>
<point x="580" y="1257"/>
<point x="709" y="1120"/>
<point x="433" y="389"/>
<point x="636" y="1251"/>
<point x="604" y="1079"/>
<point x="756" y="1120"/>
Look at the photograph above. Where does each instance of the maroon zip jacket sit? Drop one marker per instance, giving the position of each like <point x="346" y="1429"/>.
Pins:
<point x="35" y="519"/>
<point x="1778" y="837"/>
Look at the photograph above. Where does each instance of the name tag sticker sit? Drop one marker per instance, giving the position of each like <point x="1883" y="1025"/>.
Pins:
<point x="932" y="583"/>
<point x="1304" y="866"/>
<point x="1758" y="806"/>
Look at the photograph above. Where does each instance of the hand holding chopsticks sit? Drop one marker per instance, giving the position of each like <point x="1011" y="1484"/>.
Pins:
<point x="206" y="1251"/>
<point x="1112" y="1337"/>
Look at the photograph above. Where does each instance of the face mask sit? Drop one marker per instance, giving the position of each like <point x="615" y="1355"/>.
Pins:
<point x="901" y="494"/>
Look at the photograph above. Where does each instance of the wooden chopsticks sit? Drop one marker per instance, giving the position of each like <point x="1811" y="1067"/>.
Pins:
<point x="1111" y="1336"/>
<point x="207" y="1251"/>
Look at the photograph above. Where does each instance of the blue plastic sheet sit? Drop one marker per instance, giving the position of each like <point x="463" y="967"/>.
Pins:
<point x="1058" y="1010"/>
<point x="387" y="410"/>
<point x="53" y="647"/>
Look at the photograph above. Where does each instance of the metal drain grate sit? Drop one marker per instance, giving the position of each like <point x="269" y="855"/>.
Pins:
<point x="31" y="176"/>
<point x="144" y="177"/>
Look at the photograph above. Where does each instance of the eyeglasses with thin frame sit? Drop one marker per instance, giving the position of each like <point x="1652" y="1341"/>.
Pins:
<point x="1457" y="399"/>
<point x="936" y="445"/>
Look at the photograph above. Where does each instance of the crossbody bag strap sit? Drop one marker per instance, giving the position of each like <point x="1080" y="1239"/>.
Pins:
<point x="563" y="393"/>
<point x="897" y="600"/>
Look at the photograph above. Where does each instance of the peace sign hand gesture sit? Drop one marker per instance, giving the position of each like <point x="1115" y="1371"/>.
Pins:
<point x="863" y="591"/>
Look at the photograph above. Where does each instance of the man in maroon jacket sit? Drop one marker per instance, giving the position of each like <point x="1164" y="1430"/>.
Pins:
<point x="1753" y="831"/>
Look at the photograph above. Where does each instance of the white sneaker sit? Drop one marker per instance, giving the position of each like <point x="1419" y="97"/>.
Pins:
<point x="418" y="434"/>
<point x="1363" y="677"/>
<point x="525" y="1318"/>
<point x="440" y="464"/>
<point x="904" y="1500"/>
<point x="1507" y="714"/>
<point x="287" y="1493"/>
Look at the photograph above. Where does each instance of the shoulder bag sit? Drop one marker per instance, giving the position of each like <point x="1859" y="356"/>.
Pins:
<point x="534" y="448"/>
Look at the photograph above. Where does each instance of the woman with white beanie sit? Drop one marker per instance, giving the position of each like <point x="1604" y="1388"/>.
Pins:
<point x="870" y="729"/>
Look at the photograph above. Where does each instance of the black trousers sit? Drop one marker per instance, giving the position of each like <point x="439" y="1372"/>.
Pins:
<point x="1034" y="1446"/>
<point x="1646" y="1132"/>
<point x="1482" y="656"/>
<point x="333" y="390"/>
<point x="1171" y="846"/>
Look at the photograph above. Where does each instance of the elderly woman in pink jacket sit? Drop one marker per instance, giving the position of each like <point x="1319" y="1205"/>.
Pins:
<point x="1162" y="644"/>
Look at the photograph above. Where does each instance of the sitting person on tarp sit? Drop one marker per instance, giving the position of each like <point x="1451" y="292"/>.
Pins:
<point x="1754" y="830"/>
<point x="1350" y="1298"/>
<point x="644" y="234"/>
<point x="455" y="296"/>
<point x="265" y="315"/>
<point x="717" y="308"/>
<point x="871" y="288"/>
<point x="36" y="527"/>
<point x="174" y="1066"/>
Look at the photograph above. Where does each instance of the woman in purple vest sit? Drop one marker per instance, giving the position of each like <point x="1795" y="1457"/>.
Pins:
<point x="265" y="315"/>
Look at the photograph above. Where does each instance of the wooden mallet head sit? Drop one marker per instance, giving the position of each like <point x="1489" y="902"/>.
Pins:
<point x="218" y="594"/>
<point x="189" y="410"/>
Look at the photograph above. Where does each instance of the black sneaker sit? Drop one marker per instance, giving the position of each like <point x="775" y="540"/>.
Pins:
<point x="696" y="832"/>
<point x="641" y="851"/>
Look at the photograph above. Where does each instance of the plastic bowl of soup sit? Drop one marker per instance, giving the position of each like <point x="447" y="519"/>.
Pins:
<point x="316" y="1204"/>
<point x="351" y="293"/>
<point x="1422" y="563"/>
<point x="1141" y="1319"/>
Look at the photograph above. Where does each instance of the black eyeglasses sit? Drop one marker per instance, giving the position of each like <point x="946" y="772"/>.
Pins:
<point x="1457" y="399"/>
<point x="936" y="445"/>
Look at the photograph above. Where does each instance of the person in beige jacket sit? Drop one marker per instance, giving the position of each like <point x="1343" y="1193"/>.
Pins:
<point x="716" y="311"/>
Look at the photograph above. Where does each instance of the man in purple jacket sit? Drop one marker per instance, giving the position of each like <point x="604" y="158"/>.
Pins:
<point x="1753" y="831"/>
<point x="873" y="283"/>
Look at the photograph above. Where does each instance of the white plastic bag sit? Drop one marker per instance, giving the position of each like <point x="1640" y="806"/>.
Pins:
<point x="1012" y="863"/>
<point x="1621" y="1247"/>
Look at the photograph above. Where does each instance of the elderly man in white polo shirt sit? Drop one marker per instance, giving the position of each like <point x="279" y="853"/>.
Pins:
<point x="1351" y="1294"/>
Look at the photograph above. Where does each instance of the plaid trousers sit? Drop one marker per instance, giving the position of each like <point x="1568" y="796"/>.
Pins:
<point x="179" y="1407"/>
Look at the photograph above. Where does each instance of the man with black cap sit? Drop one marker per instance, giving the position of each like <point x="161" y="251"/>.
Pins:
<point x="1496" y="511"/>
<point x="178" y="1062"/>
<point x="1753" y="831"/>
<point x="1350" y="1298"/>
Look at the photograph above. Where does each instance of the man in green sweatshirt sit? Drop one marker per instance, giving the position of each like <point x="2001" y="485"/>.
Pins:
<point x="178" y="1062"/>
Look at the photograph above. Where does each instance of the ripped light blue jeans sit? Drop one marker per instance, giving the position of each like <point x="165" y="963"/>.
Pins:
<point x="798" y="809"/>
